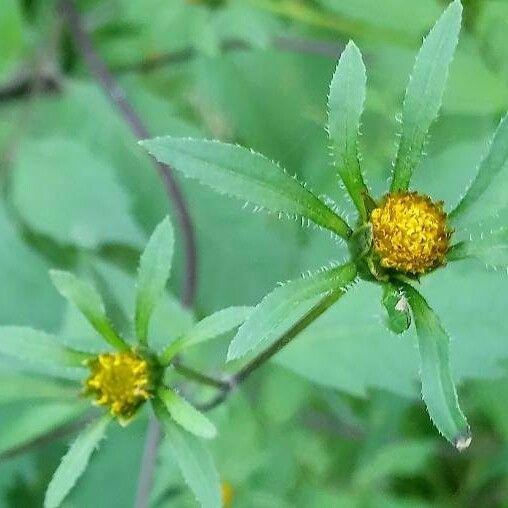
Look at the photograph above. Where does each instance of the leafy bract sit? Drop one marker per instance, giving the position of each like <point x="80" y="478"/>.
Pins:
<point x="186" y="415"/>
<point x="87" y="299"/>
<point x="424" y="93"/>
<point x="249" y="176"/>
<point x="208" y="328"/>
<point x="284" y="306"/>
<point x="38" y="348"/>
<point x="471" y="207"/>
<point x="194" y="460"/>
<point x="74" y="462"/>
<point x="490" y="248"/>
<point x="153" y="274"/>
<point x="438" y="389"/>
<point x="345" y="106"/>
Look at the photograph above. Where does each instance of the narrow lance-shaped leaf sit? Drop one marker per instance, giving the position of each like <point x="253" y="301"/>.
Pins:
<point x="74" y="462"/>
<point x="470" y="206"/>
<point x="208" y="328"/>
<point x="345" y="106"/>
<point x="424" y="93"/>
<point x="87" y="299"/>
<point x="438" y="389"/>
<point x="284" y="306"/>
<point x="37" y="421"/>
<point x="38" y="348"/>
<point x="491" y="249"/>
<point x="246" y="175"/>
<point x="153" y="275"/>
<point x="194" y="460"/>
<point x="186" y="415"/>
<point x="15" y="386"/>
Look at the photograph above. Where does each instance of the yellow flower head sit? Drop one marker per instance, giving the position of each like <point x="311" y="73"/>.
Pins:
<point x="120" y="381"/>
<point x="410" y="232"/>
<point x="228" y="493"/>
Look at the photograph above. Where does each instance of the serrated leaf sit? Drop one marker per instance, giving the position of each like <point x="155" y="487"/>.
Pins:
<point x="397" y="309"/>
<point x="186" y="415"/>
<point x="424" y="93"/>
<point x="246" y="175"/>
<point x="345" y="106"/>
<point x="438" y="388"/>
<point x="15" y="387"/>
<point x="491" y="249"/>
<point x="38" y="348"/>
<point x="88" y="300"/>
<point x="284" y="306"/>
<point x="208" y="328"/>
<point x="471" y="207"/>
<point x="38" y="420"/>
<point x="153" y="275"/>
<point x="78" y="201"/>
<point x="194" y="460"/>
<point x="75" y="461"/>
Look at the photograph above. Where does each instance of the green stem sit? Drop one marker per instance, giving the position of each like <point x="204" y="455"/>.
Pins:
<point x="322" y="306"/>
<point x="171" y="351"/>
<point x="204" y="379"/>
<point x="226" y="386"/>
<point x="297" y="11"/>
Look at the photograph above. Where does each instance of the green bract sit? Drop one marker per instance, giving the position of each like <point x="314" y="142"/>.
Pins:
<point x="63" y="402"/>
<point x="249" y="176"/>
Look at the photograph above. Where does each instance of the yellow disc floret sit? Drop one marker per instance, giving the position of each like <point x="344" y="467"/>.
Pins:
<point x="228" y="493"/>
<point x="410" y="232"/>
<point x="120" y="381"/>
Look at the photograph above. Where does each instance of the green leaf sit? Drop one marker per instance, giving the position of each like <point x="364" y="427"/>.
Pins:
<point x="78" y="200"/>
<point x="186" y="414"/>
<point x="208" y="328"/>
<point x="38" y="348"/>
<point x="75" y="461"/>
<point x="284" y="306"/>
<point x="398" y="459"/>
<point x="470" y="207"/>
<point x="153" y="274"/>
<point x="38" y="420"/>
<point x="11" y="36"/>
<point x="87" y="299"/>
<point x="438" y="388"/>
<point x="14" y="387"/>
<point x="194" y="460"/>
<point x="249" y="176"/>
<point x="26" y="298"/>
<point x="491" y="249"/>
<point x="424" y="93"/>
<point x="395" y="303"/>
<point x="345" y="106"/>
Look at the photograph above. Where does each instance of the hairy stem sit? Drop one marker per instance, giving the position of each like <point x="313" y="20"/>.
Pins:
<point x="320" y="308"/>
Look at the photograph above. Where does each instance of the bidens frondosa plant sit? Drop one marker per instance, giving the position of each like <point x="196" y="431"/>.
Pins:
<point x="126" y="375"/>
<point x="397" y="239"/>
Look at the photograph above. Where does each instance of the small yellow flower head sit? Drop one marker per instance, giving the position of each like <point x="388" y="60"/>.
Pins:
<point x="410" y="232"/>
<point x="120" y="381"/>
<point x="228" y="493"/>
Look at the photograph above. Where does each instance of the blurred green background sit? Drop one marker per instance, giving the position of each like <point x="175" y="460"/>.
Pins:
<point x="335" y="420"/>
